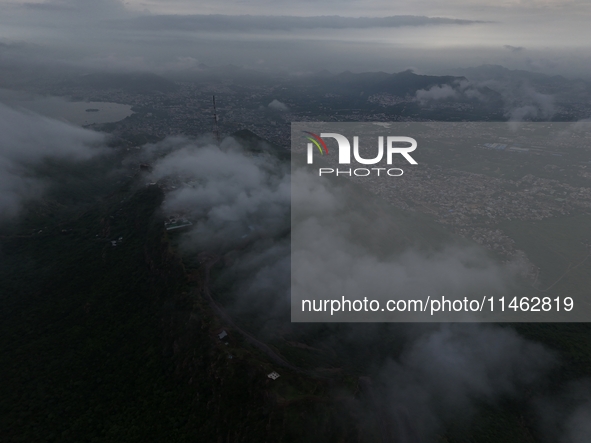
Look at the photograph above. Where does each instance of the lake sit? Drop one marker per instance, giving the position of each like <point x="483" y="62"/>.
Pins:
<point x="78" y="113"/>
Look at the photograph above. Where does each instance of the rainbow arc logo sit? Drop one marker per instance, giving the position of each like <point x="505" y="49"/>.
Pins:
<point x="317" y="140"/>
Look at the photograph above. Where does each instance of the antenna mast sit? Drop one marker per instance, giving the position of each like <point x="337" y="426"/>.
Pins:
<point x="216" y="130"/>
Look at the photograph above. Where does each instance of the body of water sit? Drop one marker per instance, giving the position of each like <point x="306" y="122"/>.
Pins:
<point x="62" y="109"/>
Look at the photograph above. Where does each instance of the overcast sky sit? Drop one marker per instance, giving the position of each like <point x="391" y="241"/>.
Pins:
<point x="549" y="35"/>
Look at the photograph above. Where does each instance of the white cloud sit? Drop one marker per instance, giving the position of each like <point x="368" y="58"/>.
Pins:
<point x="278" y="106"/>
<point x="436" y="93"/>
<point x="26" y="140"/>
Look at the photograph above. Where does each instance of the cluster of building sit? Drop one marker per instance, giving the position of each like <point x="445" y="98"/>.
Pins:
<point x="174" y="222"/>
<point x="385" y="99"/>
<point x="473" y="205"/>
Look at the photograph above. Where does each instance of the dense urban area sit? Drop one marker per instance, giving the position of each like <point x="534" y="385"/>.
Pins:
<point x="518" y="177"/>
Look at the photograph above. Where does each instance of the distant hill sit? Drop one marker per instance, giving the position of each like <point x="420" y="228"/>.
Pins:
<point x="487" y="71"/>
<point x="555" y="84"/>
<point x="143" y="83"/>
<point x="400" y="84"/>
